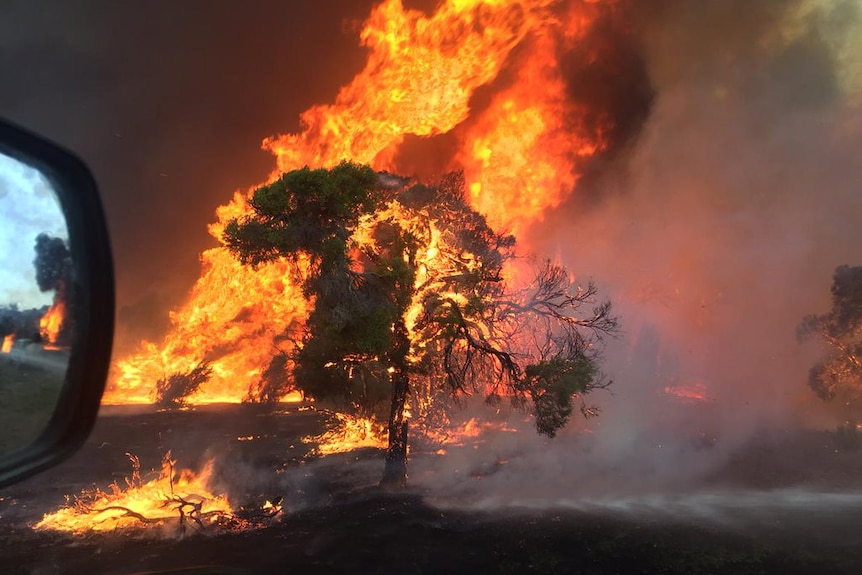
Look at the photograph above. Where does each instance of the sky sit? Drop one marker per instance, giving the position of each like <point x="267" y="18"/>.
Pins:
<point x="28" y="207"/>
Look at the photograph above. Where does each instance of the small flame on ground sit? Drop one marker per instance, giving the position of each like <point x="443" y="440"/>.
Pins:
<point x="355" y="432"/>
<point x="349" y="433"/>
<point x="468" y="433"/>
<point x="6" y="347"/>
<point x="174" y="496"/>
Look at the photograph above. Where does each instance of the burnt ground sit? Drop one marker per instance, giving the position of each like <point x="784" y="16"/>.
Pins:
<point x="337" y="520"/>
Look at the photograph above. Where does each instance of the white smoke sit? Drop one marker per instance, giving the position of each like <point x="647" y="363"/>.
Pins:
<point x="713" y="237"/>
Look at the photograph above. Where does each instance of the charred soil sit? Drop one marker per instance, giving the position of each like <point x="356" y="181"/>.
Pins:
<point x="335" y="519"/>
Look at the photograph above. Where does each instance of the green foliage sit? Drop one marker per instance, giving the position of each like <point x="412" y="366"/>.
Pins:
<point x="305" y="212"/>
<point x="467" y="330"/>
<point x="839" y="374"/>
<point x="552" y="384"/>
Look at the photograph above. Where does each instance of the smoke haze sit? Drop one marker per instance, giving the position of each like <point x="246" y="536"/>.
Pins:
<point x="713" y="233"/>
<point x="726" y="199"/>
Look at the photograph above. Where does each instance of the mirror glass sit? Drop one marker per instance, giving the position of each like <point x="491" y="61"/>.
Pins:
<point x="36" y="293"/>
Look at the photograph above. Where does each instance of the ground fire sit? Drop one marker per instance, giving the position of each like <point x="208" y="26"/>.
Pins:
<point x="177" y="500"/>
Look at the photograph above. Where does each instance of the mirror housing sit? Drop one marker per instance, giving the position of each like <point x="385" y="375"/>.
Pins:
<point x="93" y="312"/>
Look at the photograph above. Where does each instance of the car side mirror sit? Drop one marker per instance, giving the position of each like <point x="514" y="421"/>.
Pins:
<point x="56" y="303"/>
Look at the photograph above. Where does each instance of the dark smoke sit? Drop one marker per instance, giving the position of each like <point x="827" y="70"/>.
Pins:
<point x="53" y="263"/>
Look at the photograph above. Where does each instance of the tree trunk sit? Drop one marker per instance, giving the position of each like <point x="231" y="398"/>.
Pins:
<point x="395" y="472"/>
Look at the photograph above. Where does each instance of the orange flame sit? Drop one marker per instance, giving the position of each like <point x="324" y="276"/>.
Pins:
<point x="354" y="432"/>
<point x="234" y="314"/>
<point x="469" y="433"/>
<point x="52" y="322"/>
<point x="520" y="156"/>
<point x="6" y="347"/>
<point x="694" y="392"/>
<point x="172" y="496"/>
<point x="348" y="434"/>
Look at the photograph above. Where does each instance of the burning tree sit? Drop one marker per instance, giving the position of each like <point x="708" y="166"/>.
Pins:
<point x="53" y="264"/>
<point x="408" y="282"/>
<point x="172" y="390"/>
<point x="840" y="372"/>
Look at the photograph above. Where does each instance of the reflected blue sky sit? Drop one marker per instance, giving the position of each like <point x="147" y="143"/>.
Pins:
<point x="28" y="207"/>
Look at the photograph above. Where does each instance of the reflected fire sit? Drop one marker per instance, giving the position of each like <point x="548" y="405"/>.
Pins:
<point x="520" y="155"/>
<point x="52" y="322"/>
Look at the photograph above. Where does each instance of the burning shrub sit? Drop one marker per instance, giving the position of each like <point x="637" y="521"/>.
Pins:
<point x="275" y="381"/>
<point x="172" y="497"/>
<point x="172" y="391"/>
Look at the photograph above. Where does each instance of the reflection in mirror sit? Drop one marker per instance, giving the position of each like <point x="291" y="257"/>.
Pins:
<point x="35" y="300"/>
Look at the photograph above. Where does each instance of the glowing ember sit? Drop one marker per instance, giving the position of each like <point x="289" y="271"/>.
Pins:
<point x="468" y="433"/>
<point x="693" y="392"/>
<point x="52" y="322"/>
<point x="180" y="497"/>
<point x="6" y="347"/>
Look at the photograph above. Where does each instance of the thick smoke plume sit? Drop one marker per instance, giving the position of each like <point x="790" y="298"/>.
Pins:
<point x="713" y="230"/>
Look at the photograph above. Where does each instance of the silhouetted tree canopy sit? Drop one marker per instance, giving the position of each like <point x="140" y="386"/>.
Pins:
<point x="840" y="372"/>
